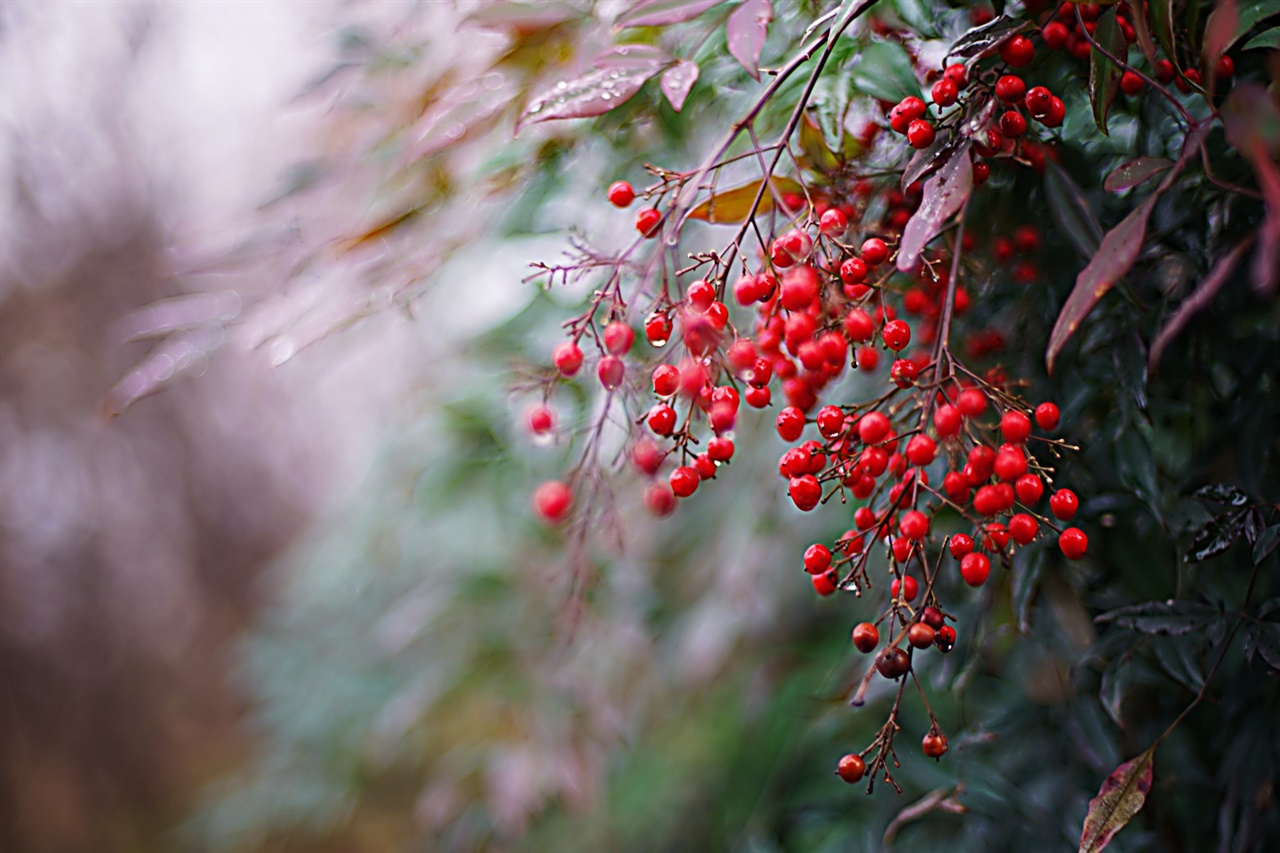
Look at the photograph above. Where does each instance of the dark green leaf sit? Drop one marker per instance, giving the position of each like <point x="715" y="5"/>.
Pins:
<point x="1264" y="639"/>
<point x="1027" y="567"/>
<point x="1247" y="14"/>
<point x="1216" y="536"/>
<point x="1266" y="543"/>
<point x="1134" y="172"/>
<point x="884" y="71"/>
<point x="1070" y="211"/>
<point x="1178" y="657"/>
<point x="1162" y="23"/>
<point x="1104" y="74"/>
<point x="1169" y="618"/>
<point x="1221" y="493"/>
<point x="1115" y="681"/>
<point x="1267" y="39"/>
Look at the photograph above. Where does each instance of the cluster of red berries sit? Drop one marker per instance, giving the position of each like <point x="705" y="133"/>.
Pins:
<point x="1068" y="32"/>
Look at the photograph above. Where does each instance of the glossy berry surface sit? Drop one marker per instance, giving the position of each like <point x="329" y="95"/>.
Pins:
<point x="621" y="194"/>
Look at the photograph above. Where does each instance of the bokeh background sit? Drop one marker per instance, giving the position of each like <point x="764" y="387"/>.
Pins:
<point x="268" y="576"/>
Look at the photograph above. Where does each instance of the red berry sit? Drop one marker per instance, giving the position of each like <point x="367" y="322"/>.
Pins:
<point x="956" y="487"/>
<point x="920" y="635"/>
<point x="1026" y="238"/>
<point x="805" y="491"/>
<point x="975" y="568"/>
<point x="945" y="92"/>
<point x="700" y="294"/>
<point x="971" y="402"/>
<point x="892" y="662"/>
<point x="1054" y="35"/>
<point x="1010" y="89"/>
<point x="864" y="517"/>
<point x="1029" y="489"/>
<point x="1063" y="504"/>
<point x="873" y="428"/>
<point x="618" y="338"/>
<point x="684" y="481"/>
<point x="961" y="544"/>
<point x="935" y="745"/>
<point x="666" y="380"/>
<point x="720" y="449"/>
<point x="1190" y="79"/>
<point x="542" y="420"/>
<point x="853" y="271"/>
<point x="1018" y="51"/>
<point x="833" y="223"/>
<point x="865" y="637"/>
<point x="790" y="423"/>
<point x="657" y="329"/>
<point x="817" y="558"/>
<point x="758" y="397"/>
<point x="908" y="110"/>
<point x="621" y="194"/>
<point x="611" y="371"/>
<point x="1047" y="417"/>
<point x="956" y="74"/>
<point x="830" y="421"/>
<point x="1225" y="68"/>
<point x="1010" y="464"/>
<point x="567" y="358"/>
<point x="1131" y="84"/>
<point x="920" y="450"/>
<point x="858" y="325"/>
<point x="1057" y="112"/>
<point x="909" y="588"/>
<point x="659" y="498"/>
<point x="1037" y="101"/>
<point x="920" y="134"/>
<point x="1015" y="427"/>
<point x="987" y="501"/>
<point x="901" y="548"/>
<point x="851" y="768"/>
<point x="825" y="583"/>
<point x="1164" y="71"/>
<point x="903" y="372"/>
<point x="1073" y="543"/>
<point x="945" y="639"/>
<point x="932" y="617"/>
<point x="646" y="456"/>
<point x="914" y="525"/>
<point x="1012" y="124"/>
<point x="704" y="465"/>
<point x="946" y="420"/>
<point x="1023" y="528"/>
<point x="982" y="458"/>
<point x="896" y="334"/>
<point x="647" y="221"/>
<point x="552" y="500"/>
<point x="662" y="419"/>
<point x="874" y="251"/>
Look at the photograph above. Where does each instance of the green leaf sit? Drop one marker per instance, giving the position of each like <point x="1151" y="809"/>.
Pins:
<point x="1267" y="39"/>
<point x="1026" y="579"/>
<point x="1266" y="543"/>
<point x="1121" y="796"/>
<point x="1168" y="618"/>
<point x="1247" y="15"/>
<point x="1134" y="172"/>
<point x="1071" y="212"/>
<point x="1162" y="22"/>
<point x="1178" y="657"/>
<point x="1221" y="493"/>
<point x="884" y="71"/>
<point x="1264" y="639"/>
<point x="1104" y="75"/>
<point x="1115" y="681"/>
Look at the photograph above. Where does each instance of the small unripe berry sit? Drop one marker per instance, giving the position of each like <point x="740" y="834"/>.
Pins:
<point x="621" y="194"/>
<point x="1073" y="543"/>
<point x="865" y="637"/>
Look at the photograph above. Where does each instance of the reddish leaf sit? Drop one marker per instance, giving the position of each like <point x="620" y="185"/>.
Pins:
<point x="1119" y="249"/>
<point x="1219" y="33"/>
<point x="594" y="93"/>
<point x="1138" y="17"/>
<point x="626" y="57"/>
<point x="1104" y="75"/>
<point x="523" y="19"/>
<point x="1129" y="175"/>
<point x="746" y="31"/>
<point x="677" y="81"/>
<point x="1203" y="296"/>
<point x="1121" y="796"/>
<point x="659" y="13"/>
<point x="734" y="205"/>
<point x="944" y="193"/>
<point x="1252" y="122"/>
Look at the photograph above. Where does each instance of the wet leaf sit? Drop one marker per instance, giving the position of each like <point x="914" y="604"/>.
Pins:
<point x="1169" y="618"/>
<point x="1267" y="40"/>
<point x="745" y="32"/>
<point x="1199" y="299"/>
<point x="734" y="205"/>
<point x="1129" y="175"/>
<point x="594" y="93"/>
<point x="1222" y="493"/>
<point x="928" y="159"/>
<point x="660" y="13"/>
<point x="523" y="19"/>
<point x="677" y="81"/>
<point x="944" y="193"/>
<point x="1116" y="254"/>
<point x="1071" y="212"/>
<point x="986" y="39"/>
<point x="1216" y="536"/>
<point x="1104" y="75"/>
<point x="1267" y="542"/>
<point x="1121" y="796"/>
